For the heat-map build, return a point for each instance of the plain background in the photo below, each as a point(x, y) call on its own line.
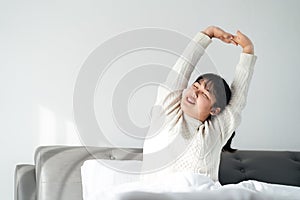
point(44, 43)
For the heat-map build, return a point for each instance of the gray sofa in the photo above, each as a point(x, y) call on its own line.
point(56, 173)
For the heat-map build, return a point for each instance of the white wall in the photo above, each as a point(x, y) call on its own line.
point(44, 44)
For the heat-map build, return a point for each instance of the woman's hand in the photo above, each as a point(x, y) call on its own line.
point(216, 32)
point(244, 42)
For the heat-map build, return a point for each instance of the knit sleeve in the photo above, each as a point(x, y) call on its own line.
point(170, 91)
point(229, 119)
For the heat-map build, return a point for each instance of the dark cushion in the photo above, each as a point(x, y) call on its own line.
point(281, 167)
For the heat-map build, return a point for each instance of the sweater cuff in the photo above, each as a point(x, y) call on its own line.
point(247, 60)
point(202, 39)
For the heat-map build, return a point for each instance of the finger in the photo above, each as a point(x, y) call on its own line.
point(224, 39)
point(236, 38)
point(228, 36)
point(228, 41)
point(240, 34)
point(234, 42)
point(242, 38)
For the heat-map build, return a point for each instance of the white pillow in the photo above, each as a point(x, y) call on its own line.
point(101, 174)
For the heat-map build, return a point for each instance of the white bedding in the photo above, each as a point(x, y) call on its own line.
point(102, 182)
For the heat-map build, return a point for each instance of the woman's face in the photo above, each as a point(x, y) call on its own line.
point(198, 100)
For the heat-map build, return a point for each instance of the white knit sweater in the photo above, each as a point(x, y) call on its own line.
point(177, 142)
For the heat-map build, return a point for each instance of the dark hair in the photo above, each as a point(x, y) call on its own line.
point(222, 92)
point(219, 88)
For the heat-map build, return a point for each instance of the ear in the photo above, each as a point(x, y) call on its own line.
point(215, 111)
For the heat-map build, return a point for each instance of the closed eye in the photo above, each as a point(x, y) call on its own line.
point(205, 96)
point(195, 85)
point(205, 87)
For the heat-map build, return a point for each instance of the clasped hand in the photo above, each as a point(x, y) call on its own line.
point(238, 39)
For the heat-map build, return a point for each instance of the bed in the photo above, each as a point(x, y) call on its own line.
point(56, 173)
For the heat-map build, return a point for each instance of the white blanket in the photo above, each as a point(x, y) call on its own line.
point(176, 186)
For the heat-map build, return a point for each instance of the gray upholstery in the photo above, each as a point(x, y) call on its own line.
point(25, 186)
point(58, 168)
point(56, 174)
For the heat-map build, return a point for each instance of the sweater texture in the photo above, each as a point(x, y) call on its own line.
point(177, 142)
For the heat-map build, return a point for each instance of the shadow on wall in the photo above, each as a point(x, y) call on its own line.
point(53, 130)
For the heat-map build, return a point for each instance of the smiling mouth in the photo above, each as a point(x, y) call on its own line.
point(191, 100)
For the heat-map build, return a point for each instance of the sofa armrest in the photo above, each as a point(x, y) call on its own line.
point(25, 184)
point(58, 174)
